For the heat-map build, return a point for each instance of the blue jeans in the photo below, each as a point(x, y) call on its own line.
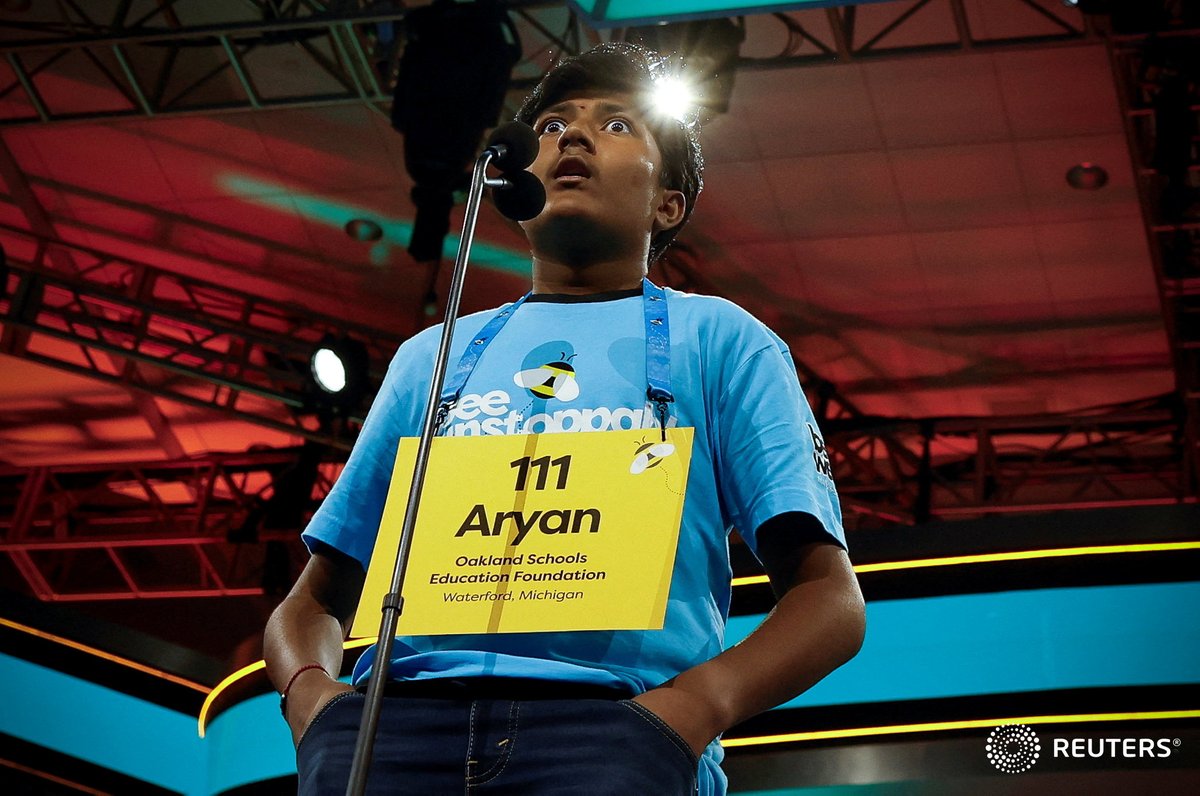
point(529, 747)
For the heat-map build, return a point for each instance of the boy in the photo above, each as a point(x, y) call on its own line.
point(589, 711)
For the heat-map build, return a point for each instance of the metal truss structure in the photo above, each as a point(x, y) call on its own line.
point(1158, 85)
point(207, 527)
point(198, 343)
point(196, 56)
point(200, 527)
point(189, 528)
point(193, 527)
point(842, 35)
point(893, 471)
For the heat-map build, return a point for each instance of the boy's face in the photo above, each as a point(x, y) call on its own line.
point(601, 167)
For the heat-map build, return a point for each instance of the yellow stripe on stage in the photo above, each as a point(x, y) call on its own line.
point(108, 656)
point(936, 726)
point(1016, 555)
point(981, 558)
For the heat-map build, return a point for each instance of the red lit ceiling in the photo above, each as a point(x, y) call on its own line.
point(905, 223)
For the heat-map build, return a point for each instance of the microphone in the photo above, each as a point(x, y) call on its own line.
point(520, 195)
point(513, 145)
point(517, 194)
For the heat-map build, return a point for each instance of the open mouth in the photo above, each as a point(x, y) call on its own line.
point(571, 170)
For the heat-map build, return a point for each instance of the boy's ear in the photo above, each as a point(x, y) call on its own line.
point(671, 208)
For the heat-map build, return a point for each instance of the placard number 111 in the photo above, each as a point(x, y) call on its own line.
point(541, 467)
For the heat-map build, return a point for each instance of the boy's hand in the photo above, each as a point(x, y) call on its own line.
point(311, 691)
point(693, 719)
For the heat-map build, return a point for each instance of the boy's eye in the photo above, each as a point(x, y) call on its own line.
point(618, 126)
point(553, 126)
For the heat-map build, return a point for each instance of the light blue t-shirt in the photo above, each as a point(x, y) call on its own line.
point(757, 453)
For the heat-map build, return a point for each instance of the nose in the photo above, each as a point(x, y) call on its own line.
point(575, 134)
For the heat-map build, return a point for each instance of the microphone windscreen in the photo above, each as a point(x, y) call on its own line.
point(524, 200)
point(520, 145)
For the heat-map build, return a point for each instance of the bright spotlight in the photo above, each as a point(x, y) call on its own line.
point(674, 97)
point(328, 370)
point(708, 49)
point(339, 371)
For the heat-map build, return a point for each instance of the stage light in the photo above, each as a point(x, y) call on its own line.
point(704, 53)
point(338, 367)
point(329, 370)
point(674, 96)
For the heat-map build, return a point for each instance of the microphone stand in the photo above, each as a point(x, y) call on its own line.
point(393, 602)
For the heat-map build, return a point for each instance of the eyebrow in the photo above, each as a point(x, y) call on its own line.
point(604, 107)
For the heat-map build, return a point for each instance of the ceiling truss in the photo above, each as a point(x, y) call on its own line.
point(194, 342)
point(186, 528)
point(311, 54)
point(204, 527)
point(965, 468)
point(201, 344)
point(1156, 79)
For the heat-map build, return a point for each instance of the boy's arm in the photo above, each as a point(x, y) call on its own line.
point(817, 625)
point(309, 627)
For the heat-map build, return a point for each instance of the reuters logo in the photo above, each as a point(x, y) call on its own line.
point(1013, 748)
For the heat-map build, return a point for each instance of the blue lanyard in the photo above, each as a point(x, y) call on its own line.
point(658, 353)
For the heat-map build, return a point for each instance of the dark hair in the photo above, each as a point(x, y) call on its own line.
point(627, 68)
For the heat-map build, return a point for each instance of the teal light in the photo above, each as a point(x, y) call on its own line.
point(396, 232)
point(866, 789)
point(960, 645)
point(869, 789)
point(614, 13)
point(104, 727)
point(248, 743)
point(1035, 640)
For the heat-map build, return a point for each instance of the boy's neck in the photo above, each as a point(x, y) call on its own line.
point(576, 280)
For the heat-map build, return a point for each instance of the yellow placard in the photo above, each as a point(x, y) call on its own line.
point(534, 532)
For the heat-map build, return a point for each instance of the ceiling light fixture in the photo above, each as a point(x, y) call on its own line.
point(363, 230)
point(705, 50)
point(1087, 176)
point(674, 96)
point(339, 370)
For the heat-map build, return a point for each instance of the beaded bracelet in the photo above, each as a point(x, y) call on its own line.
point(286, 688)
